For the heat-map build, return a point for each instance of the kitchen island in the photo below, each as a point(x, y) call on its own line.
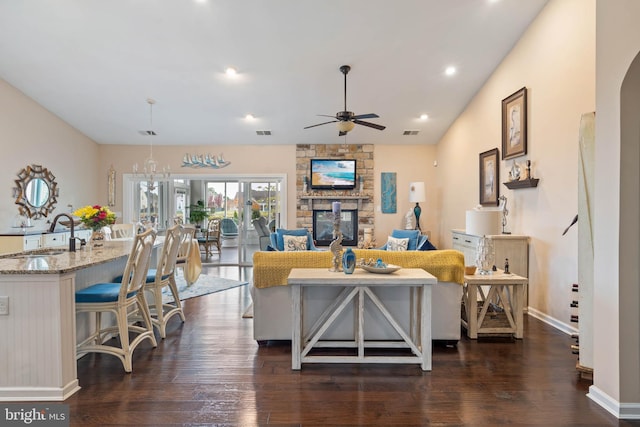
point(38, 336)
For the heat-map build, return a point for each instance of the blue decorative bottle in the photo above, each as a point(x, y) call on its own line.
point(348, 261)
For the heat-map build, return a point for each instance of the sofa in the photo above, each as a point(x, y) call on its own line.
point(272, 296)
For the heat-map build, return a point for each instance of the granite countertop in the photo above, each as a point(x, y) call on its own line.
point(31, 231)
point(33, 262)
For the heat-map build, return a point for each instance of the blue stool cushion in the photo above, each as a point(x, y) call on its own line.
point(151, 276)
point(100, 292)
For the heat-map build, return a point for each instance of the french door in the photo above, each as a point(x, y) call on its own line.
point(259, 198)
point(240, 198)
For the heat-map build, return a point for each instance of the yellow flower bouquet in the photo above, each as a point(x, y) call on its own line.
point(95, 217)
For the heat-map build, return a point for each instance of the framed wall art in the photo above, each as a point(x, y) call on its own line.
point(388, 192)
point(111, 186)
point(514, 125)
point(489, 178)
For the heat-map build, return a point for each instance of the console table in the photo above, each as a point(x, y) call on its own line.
point(357, 287)
point(500, 310)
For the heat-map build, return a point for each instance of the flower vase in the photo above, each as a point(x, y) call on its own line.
point(348, 261)
point(97, 239)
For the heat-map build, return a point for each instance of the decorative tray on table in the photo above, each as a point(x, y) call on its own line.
point(384, 269)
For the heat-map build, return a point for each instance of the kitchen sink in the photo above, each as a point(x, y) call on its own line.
point(37, 253)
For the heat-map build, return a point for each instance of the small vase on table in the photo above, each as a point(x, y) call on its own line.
point(348, 261)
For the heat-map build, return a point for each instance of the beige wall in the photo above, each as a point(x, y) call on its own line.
point(29, 134)
point(411, 163)
point(616, 301)
point(555, 60)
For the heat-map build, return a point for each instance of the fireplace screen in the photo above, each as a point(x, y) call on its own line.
point(323, 227)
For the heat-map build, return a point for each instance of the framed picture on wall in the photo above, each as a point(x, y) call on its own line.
point(388, 192)
point(489, 178)
point(514, 125)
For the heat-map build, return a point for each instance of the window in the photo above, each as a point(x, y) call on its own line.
point(223, 199)
point(150, 203)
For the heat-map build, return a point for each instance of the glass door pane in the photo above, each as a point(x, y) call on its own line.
point(261, 199)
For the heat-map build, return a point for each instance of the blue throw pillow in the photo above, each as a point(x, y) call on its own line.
point(280, 232)
point(425, 245)
point(411, 234)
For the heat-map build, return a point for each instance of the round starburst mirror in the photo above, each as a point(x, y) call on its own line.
point(36, 192)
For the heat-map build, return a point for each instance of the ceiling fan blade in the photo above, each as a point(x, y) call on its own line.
point(326, 115)
point(371, 125)
point(366, 116)
point(320, 124)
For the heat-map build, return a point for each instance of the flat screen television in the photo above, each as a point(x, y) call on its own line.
point(330, 174)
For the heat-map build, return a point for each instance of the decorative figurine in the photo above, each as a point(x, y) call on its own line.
point(506, 266)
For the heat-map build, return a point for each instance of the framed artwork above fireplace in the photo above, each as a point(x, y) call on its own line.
point(323, 227)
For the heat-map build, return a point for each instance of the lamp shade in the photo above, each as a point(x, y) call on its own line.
point(417, 192)
point(480, 222)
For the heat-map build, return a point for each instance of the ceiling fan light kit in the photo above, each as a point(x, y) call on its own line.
point(347, 120)
point(345, 126)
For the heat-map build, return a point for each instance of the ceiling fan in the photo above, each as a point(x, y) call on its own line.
point(346, 119)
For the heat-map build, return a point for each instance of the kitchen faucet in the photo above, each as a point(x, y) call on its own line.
point(72, 239)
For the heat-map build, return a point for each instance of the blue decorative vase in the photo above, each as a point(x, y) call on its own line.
point(348, 261)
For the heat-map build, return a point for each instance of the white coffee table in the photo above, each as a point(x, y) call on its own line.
point(357, 287)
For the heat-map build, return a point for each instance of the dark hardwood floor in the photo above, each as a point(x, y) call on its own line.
point(209, 371)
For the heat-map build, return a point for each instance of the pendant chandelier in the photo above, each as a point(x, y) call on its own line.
point(150, 171)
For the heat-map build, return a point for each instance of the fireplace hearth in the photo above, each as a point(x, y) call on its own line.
point(323, 227)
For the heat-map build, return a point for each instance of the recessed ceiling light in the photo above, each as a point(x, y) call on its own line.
point(231, 72)
point(249, 117)
point(424, 116)
point(450, 71)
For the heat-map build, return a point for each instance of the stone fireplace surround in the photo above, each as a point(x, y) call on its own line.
point(362, 201)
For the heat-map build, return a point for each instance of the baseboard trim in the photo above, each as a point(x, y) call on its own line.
point(625, 411)
point(561, 326)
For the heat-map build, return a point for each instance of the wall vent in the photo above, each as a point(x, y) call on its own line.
point(263, 132)
point(147, 132)
point(410, 132)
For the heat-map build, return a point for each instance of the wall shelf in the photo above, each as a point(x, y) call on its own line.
point(525, 183)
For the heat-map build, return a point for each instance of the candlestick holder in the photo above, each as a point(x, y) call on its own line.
point(336, 245)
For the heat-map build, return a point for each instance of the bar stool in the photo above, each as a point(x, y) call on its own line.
point(164, 275)
point(117, 298)
point(187, 236)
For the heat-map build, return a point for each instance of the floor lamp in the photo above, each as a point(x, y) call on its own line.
point(417, 195)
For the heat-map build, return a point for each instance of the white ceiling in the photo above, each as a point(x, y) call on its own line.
point(94, 63)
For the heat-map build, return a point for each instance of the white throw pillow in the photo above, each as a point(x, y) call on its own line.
point(396, 244)
point(294, 243)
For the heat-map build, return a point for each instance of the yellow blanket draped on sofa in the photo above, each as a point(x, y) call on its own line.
point(273, 268)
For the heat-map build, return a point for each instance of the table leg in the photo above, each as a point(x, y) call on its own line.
point(296, 326)
point(472, 318)
point(518, 295)
point(425, 327)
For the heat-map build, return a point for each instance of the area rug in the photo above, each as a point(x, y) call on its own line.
point(203, 286)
